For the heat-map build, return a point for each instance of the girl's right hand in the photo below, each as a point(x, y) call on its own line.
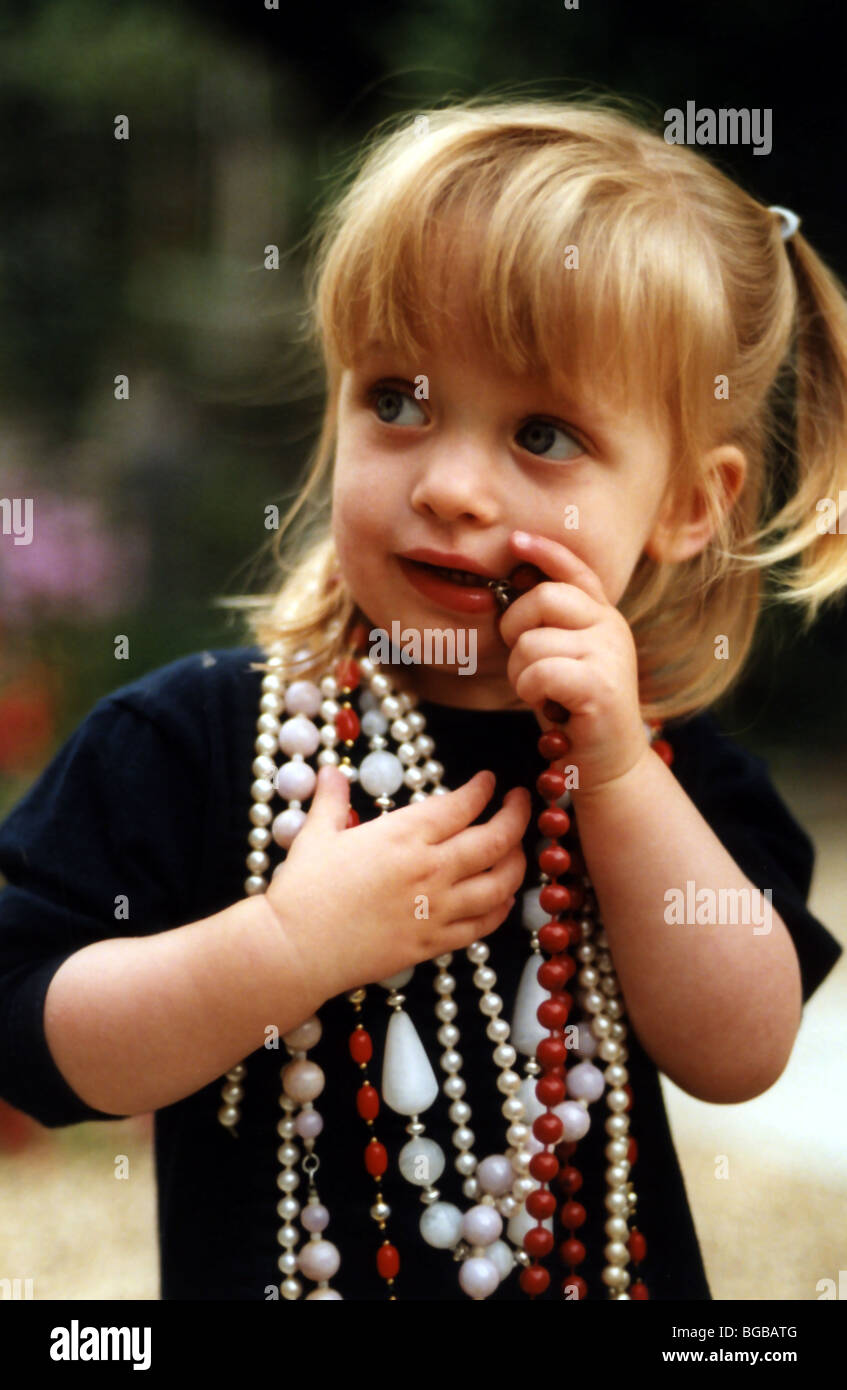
point(358, 905)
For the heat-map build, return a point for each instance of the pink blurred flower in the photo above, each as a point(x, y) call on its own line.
point(77, 563)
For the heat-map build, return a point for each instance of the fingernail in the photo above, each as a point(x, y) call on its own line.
point(520, 537)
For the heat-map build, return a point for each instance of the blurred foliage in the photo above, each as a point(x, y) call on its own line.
point(145, 257)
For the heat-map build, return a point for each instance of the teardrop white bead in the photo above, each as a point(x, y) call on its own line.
point(527, 1032)
point(409, 1085)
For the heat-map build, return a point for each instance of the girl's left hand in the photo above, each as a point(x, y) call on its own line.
point(570, 644)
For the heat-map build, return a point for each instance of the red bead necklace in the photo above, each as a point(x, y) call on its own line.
point(553, 1163)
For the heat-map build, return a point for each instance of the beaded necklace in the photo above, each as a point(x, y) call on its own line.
point(509, 1222)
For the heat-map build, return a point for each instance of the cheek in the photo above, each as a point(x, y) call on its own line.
point(356, 529)
point(357, 521)
point(604, 545)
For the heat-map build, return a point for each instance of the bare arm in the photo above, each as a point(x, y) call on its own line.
point(717, 1007)
point(137, 1023)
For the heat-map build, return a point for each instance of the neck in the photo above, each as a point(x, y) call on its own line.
point(441, 688)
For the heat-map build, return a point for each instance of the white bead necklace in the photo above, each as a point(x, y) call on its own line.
point(498, 1185)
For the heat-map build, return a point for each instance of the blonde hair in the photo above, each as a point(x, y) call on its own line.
point(686, 276)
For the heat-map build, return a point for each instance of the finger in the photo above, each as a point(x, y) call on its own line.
point(472, 897)
point(480, 847)
point(538, 643)
point(567, 680)
point(559, 605)
point(444, 816)
point(558, 562)
point(330, 802)
point(458, 935)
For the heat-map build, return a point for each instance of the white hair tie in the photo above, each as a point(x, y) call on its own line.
point(789, 221)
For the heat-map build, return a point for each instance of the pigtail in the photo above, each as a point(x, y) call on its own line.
point(809, 521)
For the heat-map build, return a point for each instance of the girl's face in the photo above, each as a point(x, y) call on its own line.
point(479, 455)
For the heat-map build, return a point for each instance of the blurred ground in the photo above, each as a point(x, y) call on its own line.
point(778, 1223)
point(70, 1225)
point(770, 1230)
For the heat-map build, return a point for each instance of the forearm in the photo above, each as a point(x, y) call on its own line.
point(717, 1007)
point(137, 1023)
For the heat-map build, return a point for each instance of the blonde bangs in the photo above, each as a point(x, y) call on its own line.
point(546, 259)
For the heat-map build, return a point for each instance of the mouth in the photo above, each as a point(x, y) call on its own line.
point(468, 579)
point(469, 591)
point(455, 589)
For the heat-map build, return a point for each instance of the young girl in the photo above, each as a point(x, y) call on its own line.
point(558, 350)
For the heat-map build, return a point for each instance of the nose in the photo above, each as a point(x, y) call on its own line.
point(457, 484)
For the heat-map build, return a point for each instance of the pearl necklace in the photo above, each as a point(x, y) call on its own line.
point(506, 1187)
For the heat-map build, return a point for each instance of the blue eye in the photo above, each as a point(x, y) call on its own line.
point(538, 435)
point(385, 398)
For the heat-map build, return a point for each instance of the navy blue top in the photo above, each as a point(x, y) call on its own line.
point(150, 798)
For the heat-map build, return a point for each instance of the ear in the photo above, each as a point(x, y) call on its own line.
point(676, 537)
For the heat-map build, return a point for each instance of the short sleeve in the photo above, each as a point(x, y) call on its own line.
point(733, 791)
point(104, 844)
